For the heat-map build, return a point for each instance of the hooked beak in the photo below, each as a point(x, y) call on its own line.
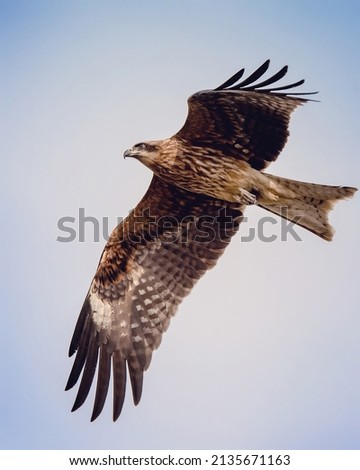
point(128, 153)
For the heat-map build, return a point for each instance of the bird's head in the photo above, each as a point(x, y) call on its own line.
point(146, 152)
point(154, 153)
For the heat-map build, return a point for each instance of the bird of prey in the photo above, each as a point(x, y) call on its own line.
point(204, 177)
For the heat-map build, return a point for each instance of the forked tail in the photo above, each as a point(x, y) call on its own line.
point(305, 204)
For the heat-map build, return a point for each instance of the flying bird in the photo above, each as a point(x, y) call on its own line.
point(203, 178)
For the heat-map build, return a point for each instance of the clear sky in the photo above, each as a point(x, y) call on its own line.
point(265, 351)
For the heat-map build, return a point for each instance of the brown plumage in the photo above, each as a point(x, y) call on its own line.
point(204, 176)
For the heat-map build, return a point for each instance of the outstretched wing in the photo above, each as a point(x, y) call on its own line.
point(150, 263)
point(245, 120)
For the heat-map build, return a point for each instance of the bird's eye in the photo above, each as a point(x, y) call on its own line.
point(140, 146)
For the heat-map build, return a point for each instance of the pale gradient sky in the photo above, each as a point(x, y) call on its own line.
point(265, 353)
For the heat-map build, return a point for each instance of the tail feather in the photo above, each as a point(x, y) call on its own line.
point(305, 204)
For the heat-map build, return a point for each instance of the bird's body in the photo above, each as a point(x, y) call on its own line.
point(204, 177)
point(208, 172)
point(203, 173)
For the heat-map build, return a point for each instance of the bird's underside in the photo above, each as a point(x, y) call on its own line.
point(204, 176)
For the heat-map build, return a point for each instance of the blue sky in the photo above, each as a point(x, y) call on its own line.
point(265, 351)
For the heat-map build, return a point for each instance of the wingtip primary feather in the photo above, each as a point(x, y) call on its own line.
point(259, 72)
point(249, 83)
point(136, 379)
point(79, 327)
point(233, 79)
point(88, 374)
point(119, 375)
point(103, 379)
point(274, 78)
point(81, 355)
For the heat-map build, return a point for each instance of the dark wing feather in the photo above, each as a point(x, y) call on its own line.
point(232, 80)
point(242, 120)
point(287, 87)
point(104, 372)
point(88, 373)
point(80, 343)
point(150, 263)
point(119, 379)
point(253, 77)
point(280, 74)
